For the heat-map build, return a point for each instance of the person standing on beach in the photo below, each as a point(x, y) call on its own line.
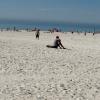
point(57, 43)
point(37, 34)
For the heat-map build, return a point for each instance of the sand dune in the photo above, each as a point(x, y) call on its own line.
point(30, 71)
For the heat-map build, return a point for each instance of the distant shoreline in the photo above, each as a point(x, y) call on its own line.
point(64, 27)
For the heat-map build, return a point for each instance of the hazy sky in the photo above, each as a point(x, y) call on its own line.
point(51, 10)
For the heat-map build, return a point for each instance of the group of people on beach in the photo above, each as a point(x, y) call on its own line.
point(57, 42)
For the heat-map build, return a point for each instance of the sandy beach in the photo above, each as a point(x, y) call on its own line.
point(31, 71)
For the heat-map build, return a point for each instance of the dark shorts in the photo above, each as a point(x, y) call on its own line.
point(49, 46)
point(37, 36)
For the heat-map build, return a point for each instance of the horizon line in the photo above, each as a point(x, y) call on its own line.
point(46, 21)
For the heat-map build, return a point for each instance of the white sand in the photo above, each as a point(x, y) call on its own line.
point(30, 71)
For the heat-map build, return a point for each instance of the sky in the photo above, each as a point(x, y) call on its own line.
point(87, 11)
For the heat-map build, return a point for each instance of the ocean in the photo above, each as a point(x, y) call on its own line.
point(64, 27)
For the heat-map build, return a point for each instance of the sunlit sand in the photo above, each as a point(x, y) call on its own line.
point(30, 71)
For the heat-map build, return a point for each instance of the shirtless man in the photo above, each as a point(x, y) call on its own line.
point(37, 34)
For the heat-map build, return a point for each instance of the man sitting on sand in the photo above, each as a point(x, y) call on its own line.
point(57, 43)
